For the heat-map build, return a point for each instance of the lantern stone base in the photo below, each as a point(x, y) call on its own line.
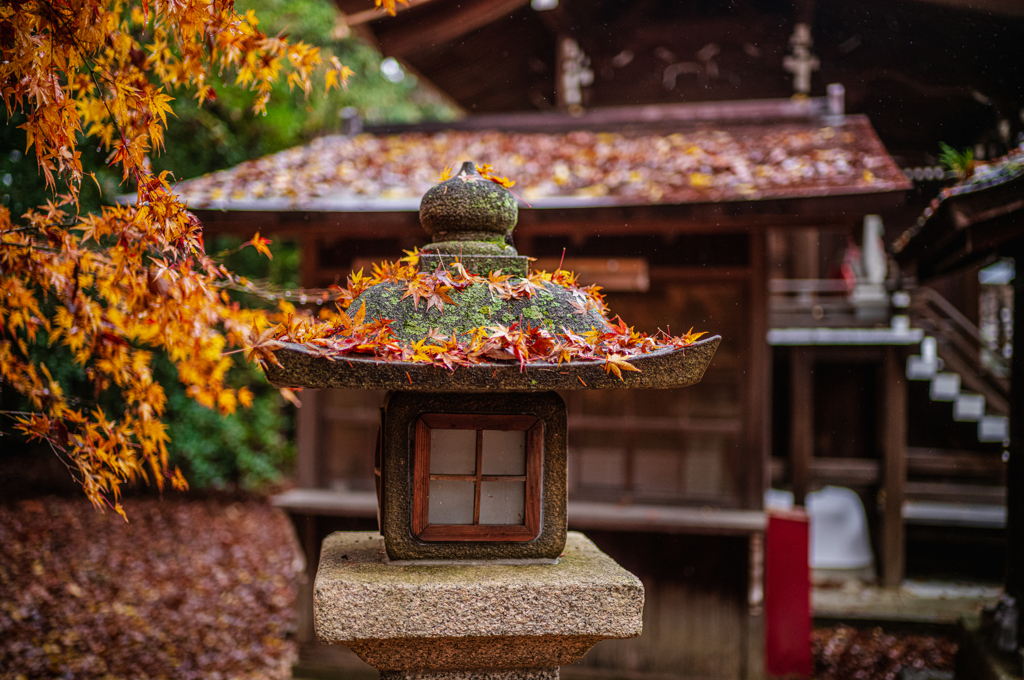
point(409, 621)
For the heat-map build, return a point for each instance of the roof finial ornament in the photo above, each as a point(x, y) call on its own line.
point(471, 217)
point(801, 63)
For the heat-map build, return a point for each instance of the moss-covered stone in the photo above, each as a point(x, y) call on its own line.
point(480, 264)
point(550, 309)
point(467, 206)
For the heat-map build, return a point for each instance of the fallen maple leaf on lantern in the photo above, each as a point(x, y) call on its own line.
point(488, 173)
point(616, 363)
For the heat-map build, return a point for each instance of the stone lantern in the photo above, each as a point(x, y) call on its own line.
point(473, 569)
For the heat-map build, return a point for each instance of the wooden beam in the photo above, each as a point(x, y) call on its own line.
point(446, 23)
point(1005, 7)
point(306, 525)
point(801, 421)
point(375, 13)
point(894, 452)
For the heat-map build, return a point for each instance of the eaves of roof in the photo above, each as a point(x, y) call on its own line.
point(950, 223)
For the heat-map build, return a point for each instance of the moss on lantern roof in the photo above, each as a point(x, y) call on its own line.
point(475, 306)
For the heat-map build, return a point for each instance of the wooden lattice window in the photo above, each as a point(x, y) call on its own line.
point(477, 477)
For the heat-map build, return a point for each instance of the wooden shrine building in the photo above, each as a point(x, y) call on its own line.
point(655, 146)
point(673, 215)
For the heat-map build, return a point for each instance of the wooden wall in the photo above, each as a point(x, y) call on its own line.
point(699, 445)
point(697, 621)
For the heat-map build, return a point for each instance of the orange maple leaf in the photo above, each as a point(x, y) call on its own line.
point(446, 174)
point(617, 363)
point(389, 5)
point(488, 173)
point(260, 244)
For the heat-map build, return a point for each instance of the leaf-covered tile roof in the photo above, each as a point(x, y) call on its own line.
point(985, 176)
point(702, 163)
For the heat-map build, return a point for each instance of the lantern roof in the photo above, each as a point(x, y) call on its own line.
point(449, 319)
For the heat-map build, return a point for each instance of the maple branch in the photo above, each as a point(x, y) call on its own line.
point(31, 246)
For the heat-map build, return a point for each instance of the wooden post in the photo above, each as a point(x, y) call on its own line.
point(308, 458)
point(306, 524)
point(757, 423)
point(894, 426)
point(1015, 467)
point(801, 421)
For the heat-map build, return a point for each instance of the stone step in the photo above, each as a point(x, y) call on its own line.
point(994, 429)
point(945, 387)
point(918, 368)
point(969, 407)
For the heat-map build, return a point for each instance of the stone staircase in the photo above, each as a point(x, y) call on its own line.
point(948, 386)
point(951, 361)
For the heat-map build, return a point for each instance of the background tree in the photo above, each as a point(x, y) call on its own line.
point(91, 297)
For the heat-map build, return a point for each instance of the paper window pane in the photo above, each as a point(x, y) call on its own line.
point(451, 502)
point(452, 452)
point(502, 503)
point(504, 452)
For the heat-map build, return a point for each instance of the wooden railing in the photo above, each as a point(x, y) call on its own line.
point(811, 302)
point(960, 346)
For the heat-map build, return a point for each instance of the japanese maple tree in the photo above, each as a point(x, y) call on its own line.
point(115, 286)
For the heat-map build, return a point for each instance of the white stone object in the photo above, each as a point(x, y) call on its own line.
point(870, 288)
point(801, 63)
point(873, 250)
point(778, 499)
point(839, 530)
point(576, 73)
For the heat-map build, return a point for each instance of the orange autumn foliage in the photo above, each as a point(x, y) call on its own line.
point(115, 286)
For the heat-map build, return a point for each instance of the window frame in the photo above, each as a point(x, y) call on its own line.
point(530, 529)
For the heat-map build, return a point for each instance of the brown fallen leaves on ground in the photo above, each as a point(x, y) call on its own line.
point(845, 653)
point(188, 589)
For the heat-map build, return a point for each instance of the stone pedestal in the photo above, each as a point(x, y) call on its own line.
point(458, 621)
